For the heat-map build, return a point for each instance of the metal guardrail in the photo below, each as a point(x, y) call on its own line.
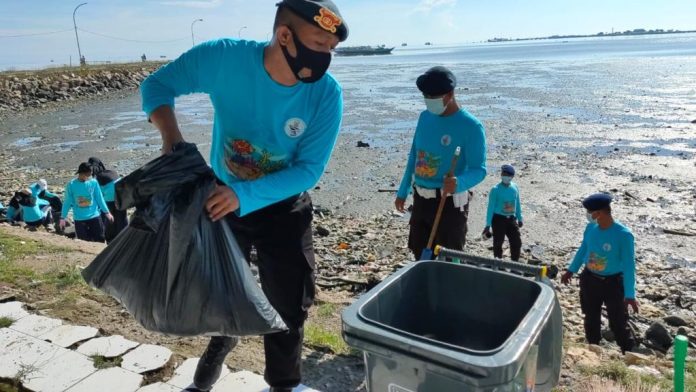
point(538, 272)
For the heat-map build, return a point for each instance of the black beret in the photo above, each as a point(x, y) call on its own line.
point(508, 169)
point(596, 202)
point(321, 13)
point(436, 81)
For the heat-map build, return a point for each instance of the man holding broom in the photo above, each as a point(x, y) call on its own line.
point(435, 172)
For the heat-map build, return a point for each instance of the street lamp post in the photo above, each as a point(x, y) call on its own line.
point(193, 41)
point(240, 32)
point(79, 51)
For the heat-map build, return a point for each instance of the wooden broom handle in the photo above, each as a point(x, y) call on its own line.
point(443, 199)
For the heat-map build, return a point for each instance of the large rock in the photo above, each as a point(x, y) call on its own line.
point(632, 358)
point(676, 321)
point(582, 357)
point(659, 335)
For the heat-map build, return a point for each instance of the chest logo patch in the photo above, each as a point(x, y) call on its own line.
point(606, 247)
point(295, 127)
point(446, 140)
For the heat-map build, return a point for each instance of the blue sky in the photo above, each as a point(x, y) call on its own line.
point(371, 21)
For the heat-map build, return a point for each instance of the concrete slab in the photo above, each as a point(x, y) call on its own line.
point(159, 387)
point(183, 375)
point(35, 325)
point(146, 358)
point(67, 335)
point(13, 310)
point(113, 379)
point(59, 374)
point(246, 381)
point(22, 354)
point(108, 347)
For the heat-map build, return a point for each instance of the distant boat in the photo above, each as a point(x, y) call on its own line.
point(404, 44)
point(428, 44)
point(363, 50)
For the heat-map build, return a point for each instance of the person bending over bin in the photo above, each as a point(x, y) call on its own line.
point(505, 215)
point(83, 196)
point(441, 128)
point(33, 211)
point(40, 191)
point(107, 180)
point(277, 117)
point(609, 276)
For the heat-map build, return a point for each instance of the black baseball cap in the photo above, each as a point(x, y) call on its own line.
point(321, 13)
point(84, 168)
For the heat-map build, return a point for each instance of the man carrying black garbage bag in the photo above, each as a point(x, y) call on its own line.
point(277, 116)
point(609, 276)
point(442, 128)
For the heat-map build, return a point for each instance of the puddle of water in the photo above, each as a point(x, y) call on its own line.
point(25, 141)
point(133, 146)
point(135, 138)
point(69, 127)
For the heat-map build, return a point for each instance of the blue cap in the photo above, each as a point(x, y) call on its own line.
point(598, 201)
point(508, 169)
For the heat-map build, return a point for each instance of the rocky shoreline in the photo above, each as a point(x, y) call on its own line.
point(19, 90)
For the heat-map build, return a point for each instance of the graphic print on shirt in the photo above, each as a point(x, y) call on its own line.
point(84, 201)
point(509, 207)
point(295, 127)
point(427, 164)
point(248, 162)
point(597, 263)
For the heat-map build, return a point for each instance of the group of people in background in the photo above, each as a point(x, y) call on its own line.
point(90, 196)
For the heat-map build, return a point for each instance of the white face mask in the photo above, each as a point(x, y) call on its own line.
point(435, 106)
point(506, 180)
point(590, 219)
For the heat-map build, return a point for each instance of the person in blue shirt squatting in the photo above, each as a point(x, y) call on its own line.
point(33, 211)
point(609, 276)
point(277, 117)
point(442, 128)
point(107, 180)
point(83, 196)
point(505, 215)
point(40, 190)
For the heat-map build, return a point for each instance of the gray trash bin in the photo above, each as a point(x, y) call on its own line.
point(439, 327)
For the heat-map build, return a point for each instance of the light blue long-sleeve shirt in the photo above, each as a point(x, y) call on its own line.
point(85, 199)
point(608, 252)
point(270, 141)
point(109, 190)
point(30, 214)
point(504, 200)
point(434, 144)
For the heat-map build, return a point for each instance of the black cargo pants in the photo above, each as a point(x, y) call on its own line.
point(595, 291)
point(451, 233)
point(506, 226)
point(282, 236)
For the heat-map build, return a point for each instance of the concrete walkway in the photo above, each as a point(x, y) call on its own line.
point(43, 354)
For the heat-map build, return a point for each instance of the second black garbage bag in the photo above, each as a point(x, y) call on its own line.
point(175, 270)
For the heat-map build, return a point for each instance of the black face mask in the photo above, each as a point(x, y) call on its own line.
point(317, 62)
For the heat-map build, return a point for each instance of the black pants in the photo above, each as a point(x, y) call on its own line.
point(594, 292)
point(90, 230)
point(45, 221)
point(506, 226)
point(451, 232)
point(112, 229)
point(282, 237)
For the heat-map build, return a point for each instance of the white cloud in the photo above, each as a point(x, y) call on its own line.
point(193, 3)
point(428, 5)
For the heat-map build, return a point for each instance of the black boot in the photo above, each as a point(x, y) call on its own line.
point(211, 362)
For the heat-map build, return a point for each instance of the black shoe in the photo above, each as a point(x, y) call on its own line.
point(210, 365)
point(194, 389)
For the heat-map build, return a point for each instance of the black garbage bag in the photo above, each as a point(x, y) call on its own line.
point(175, 270)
